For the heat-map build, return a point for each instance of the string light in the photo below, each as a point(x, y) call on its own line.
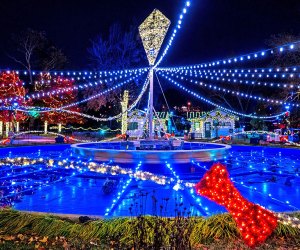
point(219, 106)
point(175, 31)
point(246, 57)
point(121, 193)
point(232, 78)
point(180, 185)
point(237, 93)
point(41, 94)
point(74, 73)
point(45, 109)
point(132, 106)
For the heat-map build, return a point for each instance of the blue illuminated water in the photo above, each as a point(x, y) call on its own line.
point(264, 175)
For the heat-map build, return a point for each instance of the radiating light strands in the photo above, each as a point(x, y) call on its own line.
point(214, 87)
point(175, 31)
point(219, 106)
point(289, 47)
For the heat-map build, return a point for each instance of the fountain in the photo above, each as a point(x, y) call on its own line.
point(150, 150)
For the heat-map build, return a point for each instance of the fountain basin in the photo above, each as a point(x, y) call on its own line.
point(151, 152)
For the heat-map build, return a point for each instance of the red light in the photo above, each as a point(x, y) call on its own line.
point(254, 222)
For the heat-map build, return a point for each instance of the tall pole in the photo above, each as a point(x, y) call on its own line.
point(153, 31)
point(151, 105)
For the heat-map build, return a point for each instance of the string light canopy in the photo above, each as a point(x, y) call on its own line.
point(153, 31)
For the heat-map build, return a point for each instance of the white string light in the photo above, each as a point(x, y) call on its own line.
point(74, 73)
point(219, 106)
point(227, 79)
point(237, 93)
point(244, 58)
point(175, 30)
point(145, 85)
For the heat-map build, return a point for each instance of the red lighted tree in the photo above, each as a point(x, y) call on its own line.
point(61, 93)
point(12, 95)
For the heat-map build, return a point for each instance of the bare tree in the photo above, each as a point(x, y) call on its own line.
point(119, 50)
point(33, 50)
point(51, 58)
point(27, 43)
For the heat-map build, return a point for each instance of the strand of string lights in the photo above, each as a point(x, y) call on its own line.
point(219, 106)
point(175, 31)
point(245, 57)
point(41, 94)
point(243, 70)
point(74, 73)
point(226, 78)
point(82, 86)
point(235, 92)
point(98, 119)
point(47, 109)
point(241, 74)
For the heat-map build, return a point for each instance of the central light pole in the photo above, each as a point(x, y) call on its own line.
point(151, 104)
point(153, 31)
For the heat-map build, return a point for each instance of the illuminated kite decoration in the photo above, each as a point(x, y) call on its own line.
point(153, 31)
point(255, 223)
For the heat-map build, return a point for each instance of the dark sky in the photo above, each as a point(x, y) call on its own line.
point(212, 28)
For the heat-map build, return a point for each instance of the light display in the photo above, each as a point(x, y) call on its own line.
point(219, 106)
point(235, 78)
point(175, 31)
point(246, 57)
point(124, 105)
point(214, 87)
point(81, 74)
point(254, 222)
point(62, 110)
point(12, 95)
point(57, 100)
point(153, 31)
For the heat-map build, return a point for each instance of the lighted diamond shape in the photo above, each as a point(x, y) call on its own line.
point(153, 31)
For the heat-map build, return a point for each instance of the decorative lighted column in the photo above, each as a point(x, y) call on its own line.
point(17, 127)
point(45, 127)
point(153, 31)
point(59, 128)
point(124, 105)
point(6, 129)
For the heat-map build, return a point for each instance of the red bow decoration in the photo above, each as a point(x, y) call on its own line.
point(254, 222)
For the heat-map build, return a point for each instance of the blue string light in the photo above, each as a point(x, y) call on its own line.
point(72, 73)
point(191, 190)
point(226, 79)
point(122, 192)
point(233, 92)
point(175, 31)
point(42, 94)
point(246, 57)
point(219, 106)
point(47, 109)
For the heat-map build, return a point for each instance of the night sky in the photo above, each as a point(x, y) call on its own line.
point(212, 28)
